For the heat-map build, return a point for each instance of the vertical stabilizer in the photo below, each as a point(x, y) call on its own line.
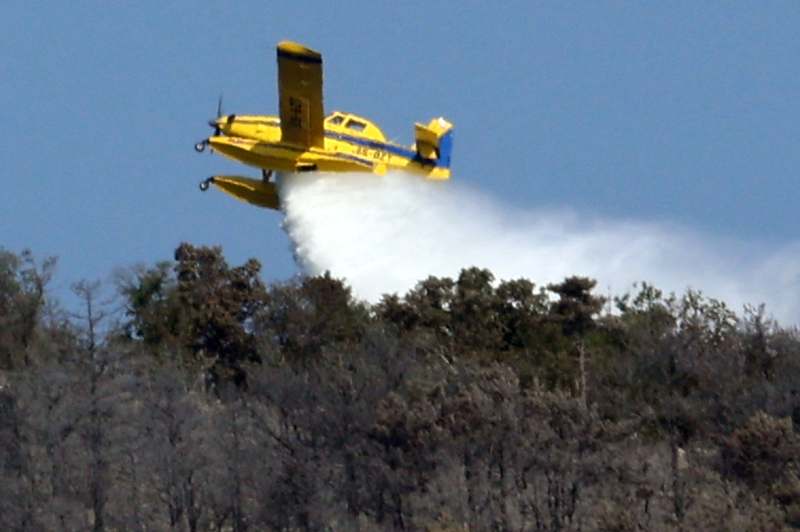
point(435, 141)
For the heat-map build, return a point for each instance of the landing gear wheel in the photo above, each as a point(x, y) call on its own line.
point(205, 183)
point(200, 146)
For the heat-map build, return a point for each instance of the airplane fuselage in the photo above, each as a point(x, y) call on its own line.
point(351, 144)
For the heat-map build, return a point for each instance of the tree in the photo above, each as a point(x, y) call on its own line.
point(219, 304)
point(93, 426)
point(575, 312)
point(308, 316)
point(151, 304)
point(475, 313)
point(576, 306)
point(23, 299)
point(522, 312)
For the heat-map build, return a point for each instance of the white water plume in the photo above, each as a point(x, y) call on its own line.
point(383, 235)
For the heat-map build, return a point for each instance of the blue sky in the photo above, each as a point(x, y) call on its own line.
point(679, 112)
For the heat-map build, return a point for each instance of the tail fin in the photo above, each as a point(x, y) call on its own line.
point(435, 141)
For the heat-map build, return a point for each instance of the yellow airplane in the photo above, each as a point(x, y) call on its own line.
point(302, 139)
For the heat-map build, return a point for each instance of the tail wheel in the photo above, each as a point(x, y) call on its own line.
point(205, 183)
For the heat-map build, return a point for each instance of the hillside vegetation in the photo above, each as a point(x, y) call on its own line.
point(199, 397)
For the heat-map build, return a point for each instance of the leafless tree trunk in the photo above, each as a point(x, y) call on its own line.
point(95, 432)
point(582, 361)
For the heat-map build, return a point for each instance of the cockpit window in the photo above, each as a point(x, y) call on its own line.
point(336, 120)
point(356, 125)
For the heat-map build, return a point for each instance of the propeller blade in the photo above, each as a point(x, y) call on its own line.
point(215, 122)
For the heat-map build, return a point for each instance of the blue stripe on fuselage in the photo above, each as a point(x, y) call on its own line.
point(391, 148)
point(298, 149)
point(344, 156)
point(348, 157)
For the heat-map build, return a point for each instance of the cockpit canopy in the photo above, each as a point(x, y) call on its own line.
point(353, 125)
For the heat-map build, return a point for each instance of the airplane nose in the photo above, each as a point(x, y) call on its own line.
point(221, 122)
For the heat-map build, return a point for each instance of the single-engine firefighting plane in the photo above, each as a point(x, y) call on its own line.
point(302, 139)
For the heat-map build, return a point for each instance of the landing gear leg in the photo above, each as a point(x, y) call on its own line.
point(266, 174)
point(205, 183)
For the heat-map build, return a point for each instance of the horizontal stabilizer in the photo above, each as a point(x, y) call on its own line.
point(256, 191)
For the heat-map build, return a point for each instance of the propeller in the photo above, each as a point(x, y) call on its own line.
point(215, 122)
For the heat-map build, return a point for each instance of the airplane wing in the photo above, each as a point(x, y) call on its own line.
point(300, 93)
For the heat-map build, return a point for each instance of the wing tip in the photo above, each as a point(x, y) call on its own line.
point(298, 51)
